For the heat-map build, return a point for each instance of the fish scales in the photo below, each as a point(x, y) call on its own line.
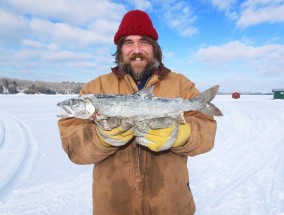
point(139, 106)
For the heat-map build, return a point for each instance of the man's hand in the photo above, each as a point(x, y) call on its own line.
point(115, 131)
point(161, 133)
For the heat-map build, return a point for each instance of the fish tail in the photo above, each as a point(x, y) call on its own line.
point(206, 97)
point(212, 110)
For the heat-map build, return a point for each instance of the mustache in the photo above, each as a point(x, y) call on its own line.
point(138, 55)
point(148, 70)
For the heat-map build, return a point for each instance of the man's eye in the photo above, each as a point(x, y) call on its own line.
point(144, 42)
point(128, 43)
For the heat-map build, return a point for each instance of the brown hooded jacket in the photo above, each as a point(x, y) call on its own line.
point(133, 180)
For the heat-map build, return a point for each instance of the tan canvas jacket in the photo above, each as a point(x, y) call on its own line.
point(132, 180)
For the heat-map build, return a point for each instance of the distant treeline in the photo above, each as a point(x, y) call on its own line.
point(14, 86)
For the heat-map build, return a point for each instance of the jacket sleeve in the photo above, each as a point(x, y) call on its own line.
point(202, 137)
point(79, 137)
point(80, 141)
point(203, 128)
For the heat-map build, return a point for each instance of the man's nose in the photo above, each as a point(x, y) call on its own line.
point(136, 47)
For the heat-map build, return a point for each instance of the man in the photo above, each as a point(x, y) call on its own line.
point(139, 169)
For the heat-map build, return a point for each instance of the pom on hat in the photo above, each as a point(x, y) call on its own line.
point(136, 22)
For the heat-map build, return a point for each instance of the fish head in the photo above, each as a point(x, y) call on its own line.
point(79, 107)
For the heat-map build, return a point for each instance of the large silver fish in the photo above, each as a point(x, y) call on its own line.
point(140, 106)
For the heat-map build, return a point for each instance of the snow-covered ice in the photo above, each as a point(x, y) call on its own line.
point(242, 175)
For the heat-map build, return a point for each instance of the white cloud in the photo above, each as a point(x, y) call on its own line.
point(227, 7)
point(38, 45)
point(63, 23)
point(65, 56)
point(261, 11)
point(252, 12)
point(72, 11)
point(178, 15)
point(266, 59)
point(142, 5)
point(70, 22)
point(223, 5)
point(58, 35)
point(67, 35)
point(12, 27)
point(104, 27)
point(43, 59)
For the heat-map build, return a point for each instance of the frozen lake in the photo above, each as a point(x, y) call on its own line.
point(243, 174)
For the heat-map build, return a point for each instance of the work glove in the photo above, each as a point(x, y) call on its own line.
point(114, 131)
point(161, 133)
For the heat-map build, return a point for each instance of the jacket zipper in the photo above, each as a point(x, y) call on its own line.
point(139, 146)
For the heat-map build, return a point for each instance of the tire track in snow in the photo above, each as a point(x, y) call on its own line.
point(278, 189)
point(269, 144)
point(236, 167)
point(2, 134)
point(17, 153)
point(250, 169)
point(50, 198)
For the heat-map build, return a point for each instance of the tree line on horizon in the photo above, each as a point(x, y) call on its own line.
point(14, 86)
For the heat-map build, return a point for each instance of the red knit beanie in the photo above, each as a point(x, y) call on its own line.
point(135, 22)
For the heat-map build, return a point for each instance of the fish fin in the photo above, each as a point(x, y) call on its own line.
point(107, 123)
point(206, 97)
point(101, 126)
point(177, 117)
point(160, 122)
point(216, 111)
point(146, 93)
point(64, 115)
point(182, 119)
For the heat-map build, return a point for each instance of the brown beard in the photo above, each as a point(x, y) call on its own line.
point(151, 65)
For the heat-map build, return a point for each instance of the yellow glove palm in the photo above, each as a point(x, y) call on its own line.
point(117, 136)
point(163, 138)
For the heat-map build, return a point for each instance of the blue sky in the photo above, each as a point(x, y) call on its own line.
point(236, 44)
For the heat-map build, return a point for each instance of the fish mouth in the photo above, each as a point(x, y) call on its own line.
point(68, 112)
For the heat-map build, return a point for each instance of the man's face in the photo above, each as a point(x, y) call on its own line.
point(137, 52)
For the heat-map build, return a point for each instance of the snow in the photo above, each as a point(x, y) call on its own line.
point(242, 175)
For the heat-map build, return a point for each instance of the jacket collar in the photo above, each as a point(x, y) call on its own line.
point(161, 72)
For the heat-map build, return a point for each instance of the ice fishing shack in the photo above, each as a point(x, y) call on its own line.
point(236, 95)
point(278, 93)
